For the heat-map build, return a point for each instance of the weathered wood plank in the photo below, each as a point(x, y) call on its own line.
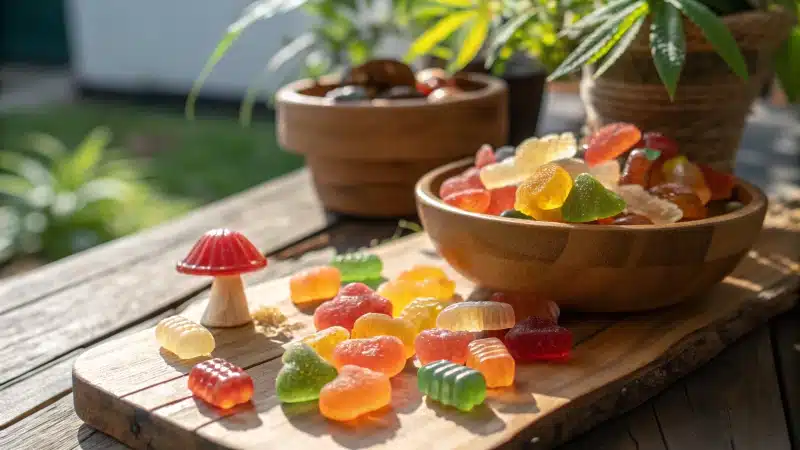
point(54, 427)
point(38, 332)
point(786, 342)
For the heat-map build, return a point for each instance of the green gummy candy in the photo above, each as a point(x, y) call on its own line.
point(651, 154)
point(514, 214)
point(303, 374)
point(452, 384)
point(358, 266)
point(589, 200)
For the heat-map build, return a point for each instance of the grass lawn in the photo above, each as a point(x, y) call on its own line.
point(198, 161)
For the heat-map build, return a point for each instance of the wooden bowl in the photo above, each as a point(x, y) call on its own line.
point(366, 156)
point(593, 268)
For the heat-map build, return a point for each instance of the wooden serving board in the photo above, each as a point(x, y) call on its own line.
point(134, 391)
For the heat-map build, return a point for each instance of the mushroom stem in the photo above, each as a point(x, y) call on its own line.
point(227, 305)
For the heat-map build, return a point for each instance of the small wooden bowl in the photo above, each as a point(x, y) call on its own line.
point(593, 268)
point(366, 156)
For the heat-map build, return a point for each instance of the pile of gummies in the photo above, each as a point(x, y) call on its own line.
point(364, 337)
point(389, 79)
point(541, 179)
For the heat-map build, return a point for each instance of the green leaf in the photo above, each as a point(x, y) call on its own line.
point(619, 49)
point(472, 42)
point(505, 33)
point(716, 32)
point(81, 165)
point(787, 65)
point(216, 56)
point(29, 169)
point(598, 16)
point(46, 146)
point(438, 33)
point(14, 186)
point(431, 11)
point(456, 3)
point(619, 31)
point(594, 46)
point(667, 44)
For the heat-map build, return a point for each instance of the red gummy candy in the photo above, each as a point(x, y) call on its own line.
point(485, 156)
point(473, 200)
point(720, 183)
point(436, 344)
point(352, 302)
point(611, 141)
point(470, 179)
point(501, 199)
point(657, 141)
point(220, 383)
point(473, 178)
point(537, 339)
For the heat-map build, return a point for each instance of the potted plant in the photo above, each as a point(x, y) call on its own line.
point(688, 68)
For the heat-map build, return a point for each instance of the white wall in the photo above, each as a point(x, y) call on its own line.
point(162, 45)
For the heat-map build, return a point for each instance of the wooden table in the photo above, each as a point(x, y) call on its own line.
point(746, 398)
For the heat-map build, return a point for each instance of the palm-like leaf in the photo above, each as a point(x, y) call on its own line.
point(668, 44)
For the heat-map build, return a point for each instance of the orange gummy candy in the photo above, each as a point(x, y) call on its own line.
point(354, 392)
point(473, 200)
point(611, 141)
point(220, 383)
point(491, 358)
point(385, 354)
point(317, 283)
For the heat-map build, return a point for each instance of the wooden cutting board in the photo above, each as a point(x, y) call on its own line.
point(135, 392)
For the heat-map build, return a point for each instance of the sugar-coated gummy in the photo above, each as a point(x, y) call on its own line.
point(358, 266)
point(353, 301)
point(491, 358)
point(437, 344)
point(534, 339)
point(220, 383)
point(610, 142)
point(476, 316)
point(303, 374)
point(484, 156)
point(546, 189)
point(374, 324)
point(472, 200)
point(385, 354)
point(422, 312)
point(423, 281)
point(184, 338)
point(452, 384)
point(355, 391)
point(637, 168)
point(316, 283)
point(589, 200)
point(607, 173)
point(323, 342)
point(639, 201)
point(530, 154)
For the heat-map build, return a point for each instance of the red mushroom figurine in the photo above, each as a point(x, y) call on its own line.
point(224, 255)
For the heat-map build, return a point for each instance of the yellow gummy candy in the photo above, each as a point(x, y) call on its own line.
point(546, 189)
point(323, 342)
point(419, 281)
point(184, 338)
point(422, 312)
point(376, 324)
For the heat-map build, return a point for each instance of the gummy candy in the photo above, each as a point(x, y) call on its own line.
point(485, 156)
point(534, 339)
point(637, 167)
point(184, 338)
point(610, 141)
point(452, 384)
point(501, 199)
point(354, 392)
point(472, 200)
point(470, 179)
point(530, 154)
point(430, 79)
point(514, 214)
point(491, 358)
point(220, 383)
point(476, 316)
point(422, 312)
point(435, 344)
point(385, 354)
point(607, 173)
point(317, 283)
point(505, 152)
point(526, 304)
point(422, 272)
point(546, 189)
point(358, 266)
point(641, 202)
point(657, 141)
point(420, 281)
point(683, 197)
point(720, 183)
point(680, 170)
point(632, 219)
point(303, 374)
point(573, 166)
point(373, 324)
point(323, 342)
point(589, 200)
point(353, 301)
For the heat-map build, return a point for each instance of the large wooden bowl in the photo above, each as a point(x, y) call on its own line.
point(593, 268)
point(366, 156)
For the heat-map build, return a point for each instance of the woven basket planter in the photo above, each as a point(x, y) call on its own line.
point(711, 104)
point(365, 157)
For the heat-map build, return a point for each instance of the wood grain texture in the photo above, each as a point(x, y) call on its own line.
point(786, 343)
point(139, 395)
point(587, 267)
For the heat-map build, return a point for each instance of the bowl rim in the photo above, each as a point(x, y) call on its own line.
point(290, 94)
point(424, 194)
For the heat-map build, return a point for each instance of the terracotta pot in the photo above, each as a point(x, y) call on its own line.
point(711, 104)
point(366, 156)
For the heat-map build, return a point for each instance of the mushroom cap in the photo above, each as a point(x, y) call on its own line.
point(222, 252)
